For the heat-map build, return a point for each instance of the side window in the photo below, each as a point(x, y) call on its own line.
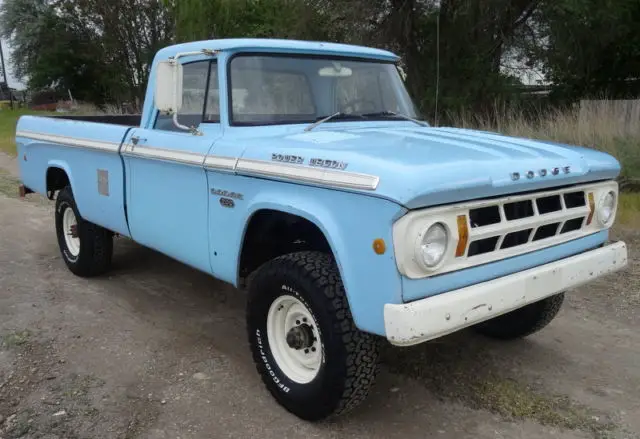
point(212, 110)
point(194, 93)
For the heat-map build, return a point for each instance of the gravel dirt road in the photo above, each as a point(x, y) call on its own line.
point(157, 350)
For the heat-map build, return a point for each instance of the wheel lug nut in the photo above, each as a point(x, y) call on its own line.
point(313, 349)
point(306, 351)
point(297, 322)
point(304, 319)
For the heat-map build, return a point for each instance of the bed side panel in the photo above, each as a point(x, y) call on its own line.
point(88, 153)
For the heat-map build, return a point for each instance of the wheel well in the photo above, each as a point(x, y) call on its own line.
point(57, 179)
point(272, 233)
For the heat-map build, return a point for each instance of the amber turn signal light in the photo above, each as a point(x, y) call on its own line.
point(592, 207)
point(379, 246)
point(463, 235)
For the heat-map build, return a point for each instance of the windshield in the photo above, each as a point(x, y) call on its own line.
point(267, 89)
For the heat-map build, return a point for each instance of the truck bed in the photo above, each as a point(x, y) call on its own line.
point(82, 149)
point(112, 119)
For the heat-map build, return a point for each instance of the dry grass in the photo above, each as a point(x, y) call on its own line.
point(598, 125)
point(8, 121)
point(595, 126)
point(629, 210)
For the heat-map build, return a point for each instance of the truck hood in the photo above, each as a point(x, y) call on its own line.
point(420, 167)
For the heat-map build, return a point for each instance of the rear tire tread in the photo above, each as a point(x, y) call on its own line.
point(96, 242)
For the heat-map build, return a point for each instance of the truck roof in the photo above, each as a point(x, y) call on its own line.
point(279, 45)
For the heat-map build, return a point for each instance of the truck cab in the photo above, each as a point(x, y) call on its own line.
point(303, 172)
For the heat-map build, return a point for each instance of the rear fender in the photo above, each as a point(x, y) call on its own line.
point(61, 164)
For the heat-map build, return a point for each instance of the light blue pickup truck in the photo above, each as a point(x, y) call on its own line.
point(302, 171)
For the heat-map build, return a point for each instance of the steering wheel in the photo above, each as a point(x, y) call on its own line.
point(350, 106)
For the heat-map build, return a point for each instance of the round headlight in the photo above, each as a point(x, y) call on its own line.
point(607, 207)
point(433, 245)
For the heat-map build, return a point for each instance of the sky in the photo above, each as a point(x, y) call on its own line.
point(13, 82)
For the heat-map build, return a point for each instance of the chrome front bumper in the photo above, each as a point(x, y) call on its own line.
point(416, 322)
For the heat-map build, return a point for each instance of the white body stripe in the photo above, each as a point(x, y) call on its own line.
point(215, 163)
point(301, 173)
point(71, 141)
point(308, 174)
point(171, 155)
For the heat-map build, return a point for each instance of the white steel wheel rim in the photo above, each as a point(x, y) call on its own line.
point(70, 228)
point(299, 365)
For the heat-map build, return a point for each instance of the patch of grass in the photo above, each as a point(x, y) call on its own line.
point(460, 370)
point(21, 425)
point(80, 385)
point(8, 184)
point(16, 339)
point(515, 400)
point(629, 210)
point(8, 121)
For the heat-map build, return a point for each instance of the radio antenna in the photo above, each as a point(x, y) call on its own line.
point(437, 63)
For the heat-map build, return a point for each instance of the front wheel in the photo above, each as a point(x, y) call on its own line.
point(306, 347)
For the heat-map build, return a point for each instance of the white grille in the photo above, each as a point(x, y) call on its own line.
point(514, 223)
point(501, 228)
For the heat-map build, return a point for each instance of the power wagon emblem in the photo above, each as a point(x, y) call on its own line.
point(286, 158)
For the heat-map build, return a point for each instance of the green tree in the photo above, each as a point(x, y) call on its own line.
point(590, 47)
point(69, 61)
point(203, 19)
point(100, 51)
point(130, 33)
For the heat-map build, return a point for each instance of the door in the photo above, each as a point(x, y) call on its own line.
point(167, 186)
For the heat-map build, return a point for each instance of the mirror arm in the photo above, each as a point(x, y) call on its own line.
point(193, 130)
point(174, 59)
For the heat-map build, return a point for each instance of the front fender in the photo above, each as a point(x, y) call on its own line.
point(350, 223)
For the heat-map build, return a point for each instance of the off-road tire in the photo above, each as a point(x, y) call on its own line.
point(96, 243)
point(523, 321)
point(350, 362)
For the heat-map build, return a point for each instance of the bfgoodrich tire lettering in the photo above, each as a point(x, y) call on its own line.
point(523, 321)
point(349, 356)
point(95, 242)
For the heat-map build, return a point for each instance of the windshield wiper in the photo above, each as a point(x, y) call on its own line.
point(338, 115)
point(391, 113)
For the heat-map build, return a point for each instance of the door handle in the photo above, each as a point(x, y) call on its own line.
point(136, 139)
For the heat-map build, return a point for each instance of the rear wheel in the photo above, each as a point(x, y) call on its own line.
point(306, 347)
point(523, 321)
point(86, 247)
